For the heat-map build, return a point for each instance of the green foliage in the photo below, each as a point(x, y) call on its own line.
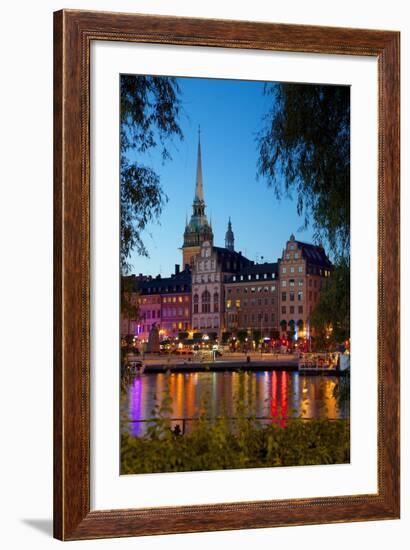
point(257, 335)
point(304, 148)
point(150, 107)
point(242, 335)
point(333, 307)
point(218, 446)
point(225, 337)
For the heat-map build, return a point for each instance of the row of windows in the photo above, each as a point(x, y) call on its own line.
point(291, 282)
point(292, 269)
point(252, 289)
point(207, 323)
point(173, 312)
point(210, 278)
point(292, 296)
point(206, 302)
point(175, 299)
point(294, 256)
point(151, 314)
point(257, 276)
point(251, 302)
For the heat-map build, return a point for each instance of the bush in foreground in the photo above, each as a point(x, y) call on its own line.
point(219, 446)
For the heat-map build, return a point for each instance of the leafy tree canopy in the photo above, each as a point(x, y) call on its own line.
point(333, 307)
point(304, 148)
point(150, 107)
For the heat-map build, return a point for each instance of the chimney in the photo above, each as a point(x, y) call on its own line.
point(176, 269)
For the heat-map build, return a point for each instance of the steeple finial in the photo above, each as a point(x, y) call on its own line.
point(199, 190)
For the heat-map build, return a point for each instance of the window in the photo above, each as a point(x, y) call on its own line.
point(292, 247)
point(265, 275)
point(283, 269)
point(273, 288)
point(206, 301)
point(315, 283)
point(296, 256)
point(310, 295)
point(241, 277)
point(300, 296)
point(249, 277)
point(292, 282)
point(300, 269)
point(284, 283)
point(284, 310)
point(234, 278)
point(283, 296)
point(228, 304)
point(292, 296)
point(216, 302)
point(245, 290)
point(253, 289)
point(292, 309)
point(287, 256)
point(310, 282)
point(238, 303)
point(196, 300)
point(300, 282)
point(257, 276)
point(292, 270)
point(300, 309)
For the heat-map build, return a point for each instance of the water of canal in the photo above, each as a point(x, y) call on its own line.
point(269, 393)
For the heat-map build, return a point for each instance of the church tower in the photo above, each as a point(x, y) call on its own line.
point(198, 229)
point(229, 237)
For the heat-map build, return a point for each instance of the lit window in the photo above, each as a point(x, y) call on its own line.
point(228, 304)
point(265, 275)
point(238, 303)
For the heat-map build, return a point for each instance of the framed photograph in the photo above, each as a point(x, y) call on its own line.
point(226, 275)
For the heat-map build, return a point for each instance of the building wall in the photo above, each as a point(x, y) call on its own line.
point(207, 282)
point(300, 285)
point(252, 305)
point(175, 313)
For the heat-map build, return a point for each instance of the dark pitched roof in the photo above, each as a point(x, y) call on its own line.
point(314, 254)
point(179, 282)
point(236, 260)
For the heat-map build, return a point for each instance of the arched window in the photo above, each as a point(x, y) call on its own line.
point(206, 302)
point(196, 301)
point(216, 302)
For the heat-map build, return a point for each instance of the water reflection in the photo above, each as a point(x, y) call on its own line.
point(278, 394)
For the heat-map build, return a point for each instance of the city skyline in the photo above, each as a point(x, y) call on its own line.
point(229, 113)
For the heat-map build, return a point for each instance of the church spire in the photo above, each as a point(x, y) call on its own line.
point(199, 190)
point(229, 237)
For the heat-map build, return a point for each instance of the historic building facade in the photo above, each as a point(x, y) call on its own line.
point(303, 269)
point(251, 300)
point(212, 266)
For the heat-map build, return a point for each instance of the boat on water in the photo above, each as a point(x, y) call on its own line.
point(331, 362)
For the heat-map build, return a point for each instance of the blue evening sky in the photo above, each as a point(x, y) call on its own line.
point(230, 113)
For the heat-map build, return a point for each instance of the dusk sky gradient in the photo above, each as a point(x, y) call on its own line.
point(230, 113)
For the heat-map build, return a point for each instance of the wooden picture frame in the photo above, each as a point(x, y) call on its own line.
point(73, 33)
